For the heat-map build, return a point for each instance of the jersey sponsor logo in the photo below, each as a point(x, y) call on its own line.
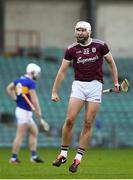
point(83, 61)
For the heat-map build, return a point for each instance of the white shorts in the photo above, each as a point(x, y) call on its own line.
point(87, 91)
point(24, 116)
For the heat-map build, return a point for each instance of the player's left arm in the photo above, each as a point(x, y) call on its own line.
point(11, 91)
point(113, 70)
point(35, 101)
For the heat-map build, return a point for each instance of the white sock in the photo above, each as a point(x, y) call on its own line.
point(78, 156)
point(64, 153)
point(34, 157)
point(80, 152)
point(13, 159)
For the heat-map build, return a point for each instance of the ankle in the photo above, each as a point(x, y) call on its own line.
point(64, 151)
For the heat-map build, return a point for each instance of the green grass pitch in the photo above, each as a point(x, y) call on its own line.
point(96, 164)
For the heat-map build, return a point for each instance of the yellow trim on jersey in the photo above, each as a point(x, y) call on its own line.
point(24, 90)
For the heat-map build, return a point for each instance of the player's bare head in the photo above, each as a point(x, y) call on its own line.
point(34, 70)
point(82, 31)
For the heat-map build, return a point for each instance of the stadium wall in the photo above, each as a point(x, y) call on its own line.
point(54, 21)
point(114, 25)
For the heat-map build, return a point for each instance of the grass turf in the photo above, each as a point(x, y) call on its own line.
point(96, 164)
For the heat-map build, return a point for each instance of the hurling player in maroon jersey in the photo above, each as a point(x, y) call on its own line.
point(87, 56)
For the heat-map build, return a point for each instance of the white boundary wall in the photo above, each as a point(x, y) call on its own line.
point(115, 26)
point(55, 21)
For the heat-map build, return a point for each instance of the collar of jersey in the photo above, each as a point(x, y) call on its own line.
point(26, 75)
point(86, 44)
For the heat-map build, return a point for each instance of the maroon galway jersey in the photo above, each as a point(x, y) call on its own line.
point(87, 60)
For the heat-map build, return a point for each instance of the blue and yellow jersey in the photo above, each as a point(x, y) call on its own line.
point(23, 85)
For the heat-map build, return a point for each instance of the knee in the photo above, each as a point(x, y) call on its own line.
point(35, 133)
point(88, 125)
point(69, 122)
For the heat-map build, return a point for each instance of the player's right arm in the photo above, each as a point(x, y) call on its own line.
point(59, 78)
point(11, 91)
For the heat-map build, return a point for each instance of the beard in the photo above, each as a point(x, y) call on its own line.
point(34, 78)
point(82, 40)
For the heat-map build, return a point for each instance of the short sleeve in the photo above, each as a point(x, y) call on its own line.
point(15, 82)
point(32, 85)
point(105, 49)
point(68, 55)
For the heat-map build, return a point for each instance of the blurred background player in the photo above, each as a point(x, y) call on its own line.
point(25, 85)
point(87, 55)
